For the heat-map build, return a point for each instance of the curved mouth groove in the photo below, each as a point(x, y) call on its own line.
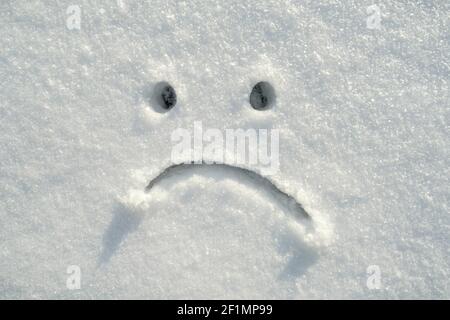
point(285, 199)
point(124, 221)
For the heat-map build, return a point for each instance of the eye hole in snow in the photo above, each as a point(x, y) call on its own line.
point(164, 97)
point(262, 96)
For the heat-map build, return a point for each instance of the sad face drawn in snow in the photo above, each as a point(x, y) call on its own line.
point(206, 218)
point(91, 136)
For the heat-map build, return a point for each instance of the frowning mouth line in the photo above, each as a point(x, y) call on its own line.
point(287, 201)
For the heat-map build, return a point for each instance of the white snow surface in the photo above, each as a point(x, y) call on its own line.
point(364, 120)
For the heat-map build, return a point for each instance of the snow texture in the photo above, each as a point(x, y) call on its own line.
point(364, 120)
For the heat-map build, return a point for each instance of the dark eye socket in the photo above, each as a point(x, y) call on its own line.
point(169, 97)
point(262, 96)
point(164, 96)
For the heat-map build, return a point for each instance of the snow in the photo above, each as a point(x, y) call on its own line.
point(364, 128)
